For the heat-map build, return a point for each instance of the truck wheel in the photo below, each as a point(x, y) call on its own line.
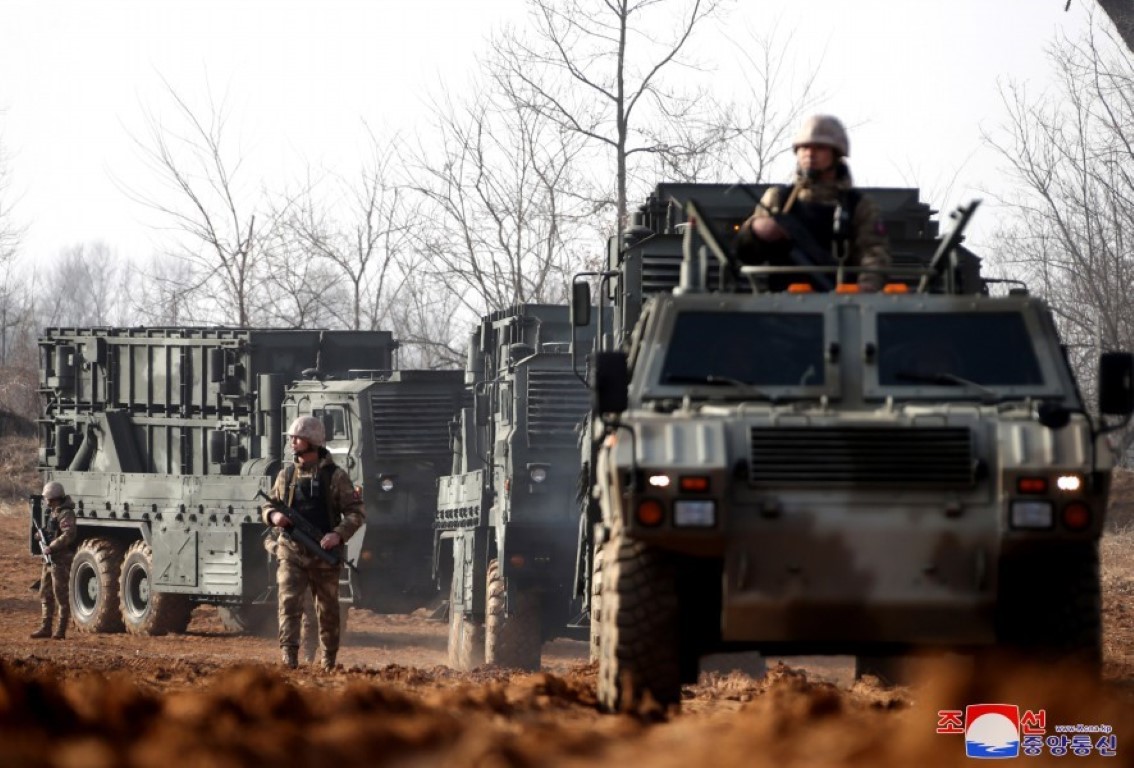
point(258, 619)
point(596, 600)
point(1049, 606)
point(638, 632)
point(144, 611)
point(511, 641)
point(94, 586)
point(466, 637)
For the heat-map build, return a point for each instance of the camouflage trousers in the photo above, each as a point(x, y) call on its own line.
point(299, 579)
point(55, 589)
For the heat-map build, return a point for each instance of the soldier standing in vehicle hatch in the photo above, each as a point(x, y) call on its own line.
point(54, 583)
point(322, 493)
point(842, 221)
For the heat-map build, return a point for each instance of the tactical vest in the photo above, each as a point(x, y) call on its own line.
point(310, 497)
point(51, 525)
point(819, 220)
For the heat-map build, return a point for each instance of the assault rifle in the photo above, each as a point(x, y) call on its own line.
point(304, 532)
point(805, 251)
point(42, 543)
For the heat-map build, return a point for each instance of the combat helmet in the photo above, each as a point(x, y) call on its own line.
point(825, 130)
point(53, 490)
point(310, 429)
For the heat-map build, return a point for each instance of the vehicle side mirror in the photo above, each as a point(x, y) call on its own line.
point(580, 304)
point(610, 382)
point(1116, 383)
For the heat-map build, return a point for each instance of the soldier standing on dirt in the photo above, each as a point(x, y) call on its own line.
point(322, 493)
point(309, 632)
point(62, 536)
point(822, 200)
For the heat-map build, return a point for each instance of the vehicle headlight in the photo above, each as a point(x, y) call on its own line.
point(538, 474)
point(386, 484)
point(1069, 483)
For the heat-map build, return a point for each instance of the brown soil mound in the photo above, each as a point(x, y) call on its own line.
point(210, 698)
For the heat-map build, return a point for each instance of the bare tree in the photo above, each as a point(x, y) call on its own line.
point(15, 305)
point(595, 68)
point(1121, 14)
point(1072, 153)
point(427, 325)
point(357, 230)
point(81, 287)
point(205, 203)
point(741, 138)
point(163, 293)
point(499, 223)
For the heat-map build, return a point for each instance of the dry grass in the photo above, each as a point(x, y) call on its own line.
point(1120, 512)
point(18, 475)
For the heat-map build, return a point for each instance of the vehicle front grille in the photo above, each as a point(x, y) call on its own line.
point(920, 456)
point(408, 423)
point(557, 402)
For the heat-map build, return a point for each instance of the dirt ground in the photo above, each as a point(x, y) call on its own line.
point(210, 698)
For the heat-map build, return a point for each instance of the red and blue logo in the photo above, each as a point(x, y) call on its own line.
point(992, 730)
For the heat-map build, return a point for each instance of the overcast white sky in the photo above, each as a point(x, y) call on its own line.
point(916, 80)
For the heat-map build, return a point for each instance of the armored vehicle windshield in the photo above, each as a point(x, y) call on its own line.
point(869, 350)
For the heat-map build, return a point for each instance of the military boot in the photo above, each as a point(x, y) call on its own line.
point(289, 655)
point(61, 630)
point(327, 660)
point(44, 629)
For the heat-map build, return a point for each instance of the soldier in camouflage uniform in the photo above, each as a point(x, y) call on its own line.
point(54, 583)
point(822, 189)
point(309, 631)
point(323, 494)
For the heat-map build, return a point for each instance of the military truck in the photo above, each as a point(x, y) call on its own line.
point(647, 261)
point(164, 436)
point(841, 473)
point(506, 515)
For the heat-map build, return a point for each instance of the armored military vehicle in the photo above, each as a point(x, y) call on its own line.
point(867, 474)
point(163, 437)
point(506, 514)
point(647, 262)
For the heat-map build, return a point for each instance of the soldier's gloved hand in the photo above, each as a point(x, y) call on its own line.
point(766, 228)
point(279, 520)
point(331, 540)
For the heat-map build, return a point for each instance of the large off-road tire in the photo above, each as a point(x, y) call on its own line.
point(258, 619)
point(1049, 605)
point(511, 639)
point(144, 611)
point(596, 600)
point(95, 575)
point(466, 638)
point(639, 649)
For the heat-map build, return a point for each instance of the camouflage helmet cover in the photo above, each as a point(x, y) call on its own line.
point(825, 130)
point(53, 490)
point(310, 429)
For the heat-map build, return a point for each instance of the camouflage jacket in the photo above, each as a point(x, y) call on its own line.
point(344, 504)
point(867, 244)
point(60, 528)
